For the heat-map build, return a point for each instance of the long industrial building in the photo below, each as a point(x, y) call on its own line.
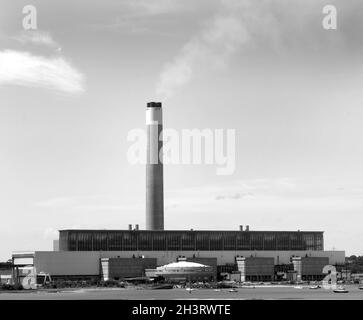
point(178, 240)
point(119, 254)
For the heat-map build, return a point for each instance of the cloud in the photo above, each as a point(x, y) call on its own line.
point(235, 196)
point(259, 29)
point(24, 69)
point(218, 40)
point(55, 202)
point(243, 190)
point(144, 17)
point(68, 201)
point(90, 203)
point(153, 7)
point(37, 38)
point(267, 193)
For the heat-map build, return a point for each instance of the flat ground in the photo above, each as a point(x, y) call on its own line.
point(259, 292)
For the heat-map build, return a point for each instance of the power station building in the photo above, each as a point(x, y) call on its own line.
point(118, 254)
point(189, 240)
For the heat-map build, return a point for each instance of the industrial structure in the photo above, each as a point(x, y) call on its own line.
point(155, 252)
point(186, 271)
point(154, 168)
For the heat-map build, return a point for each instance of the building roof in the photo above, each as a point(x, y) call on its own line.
point(188, 230)
point(184, 264)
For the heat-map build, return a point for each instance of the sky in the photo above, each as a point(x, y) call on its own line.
point(71, 91)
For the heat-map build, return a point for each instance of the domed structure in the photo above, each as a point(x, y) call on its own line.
point(185, 270)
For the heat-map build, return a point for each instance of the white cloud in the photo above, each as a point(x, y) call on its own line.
point(38, 38)
point(90, 203)
point(266, 193)
point(153, 7)
point(256, 28)
point(24, 69)
point(55, 202)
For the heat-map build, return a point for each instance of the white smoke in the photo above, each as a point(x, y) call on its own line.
point(262, 25)
point(220, 38)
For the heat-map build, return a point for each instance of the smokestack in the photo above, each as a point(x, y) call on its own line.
point(247, 228)
point(154, 168)
point(241, 227)
point(136, 227)
point(130, 226)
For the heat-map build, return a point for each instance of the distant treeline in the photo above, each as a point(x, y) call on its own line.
point(354, 263)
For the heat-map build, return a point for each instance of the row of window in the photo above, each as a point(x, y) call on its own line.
point(126, 241)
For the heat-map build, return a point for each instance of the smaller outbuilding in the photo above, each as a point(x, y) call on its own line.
point(121, 268)
point(255, 268)
point(310, 268)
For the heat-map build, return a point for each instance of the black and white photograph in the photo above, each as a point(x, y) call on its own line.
point(183, 156)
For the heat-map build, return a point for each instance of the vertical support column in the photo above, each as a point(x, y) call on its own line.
point(241, 267)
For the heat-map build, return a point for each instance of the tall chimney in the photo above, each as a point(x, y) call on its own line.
point(154, 168)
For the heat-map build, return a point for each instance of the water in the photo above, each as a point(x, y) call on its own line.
point(260, 292)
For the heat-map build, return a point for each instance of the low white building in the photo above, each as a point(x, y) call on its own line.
point(186, 270)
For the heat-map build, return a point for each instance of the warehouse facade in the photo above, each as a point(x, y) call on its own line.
point(95, 264)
